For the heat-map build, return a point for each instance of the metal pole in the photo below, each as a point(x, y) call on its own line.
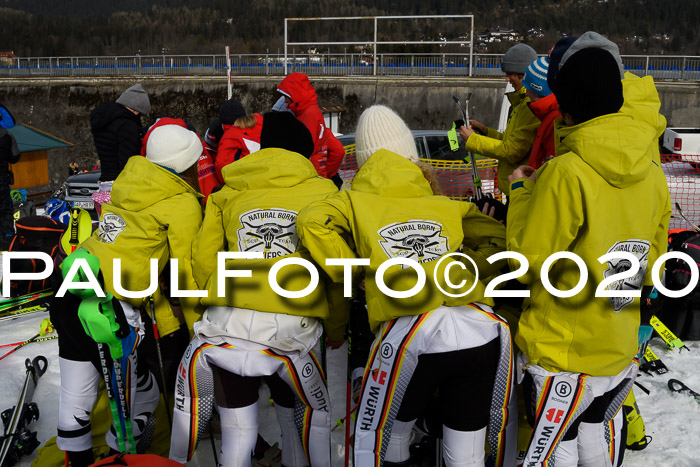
point(285, 46)
point(471, 48)
point(646, 67)
point(228, 72)
point(374, 61)
point(683, 69)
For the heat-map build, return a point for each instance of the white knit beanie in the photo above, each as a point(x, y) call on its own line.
point(380, 127)
point(173, 147)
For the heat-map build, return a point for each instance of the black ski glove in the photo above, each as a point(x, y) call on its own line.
point(500, 211)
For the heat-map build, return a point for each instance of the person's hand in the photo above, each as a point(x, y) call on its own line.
point(492, 208)
point(465, 132)
point(524, 171)
point(335, 345)
point(478, 126)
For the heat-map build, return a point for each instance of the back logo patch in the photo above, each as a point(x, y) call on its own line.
point(271, 231)
point(640, 249)
point(419, 240)
point(111, 226)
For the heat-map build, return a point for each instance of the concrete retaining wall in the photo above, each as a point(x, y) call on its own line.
point(62, 106)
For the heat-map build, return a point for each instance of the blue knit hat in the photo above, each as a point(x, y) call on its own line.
point(536, 77)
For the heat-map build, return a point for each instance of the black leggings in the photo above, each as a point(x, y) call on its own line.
point(465, 381)
point(234, 391)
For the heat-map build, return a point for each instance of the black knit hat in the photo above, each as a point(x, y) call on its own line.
point(555, 56)
point(230, 111)
point(283, 130)
point(588, 85)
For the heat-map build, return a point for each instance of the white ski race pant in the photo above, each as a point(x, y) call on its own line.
point(575, 415)
point(393, 359)
point(80, 382)
point(194, 397)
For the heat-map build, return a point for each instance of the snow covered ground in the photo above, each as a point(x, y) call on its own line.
point(673, 420)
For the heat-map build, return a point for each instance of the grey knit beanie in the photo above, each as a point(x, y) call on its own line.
point(379, 127)
point(136, 98)
point(591, 39)
point(517, 58)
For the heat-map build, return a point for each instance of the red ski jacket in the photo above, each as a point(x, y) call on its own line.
point(237, 143)
point(328, 151)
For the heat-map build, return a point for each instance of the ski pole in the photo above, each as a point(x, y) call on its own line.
point(116, 418)
point(42, 339)
point(156, 335)
point(46, 328)
point(472, 159)
point(126, 411)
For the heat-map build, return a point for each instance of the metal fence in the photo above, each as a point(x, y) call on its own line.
point(661, 67)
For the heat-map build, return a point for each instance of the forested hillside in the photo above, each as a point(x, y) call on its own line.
point(106, 27)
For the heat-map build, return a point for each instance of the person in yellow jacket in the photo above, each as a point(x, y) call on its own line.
point(154, 213)
point(511, 147)
point(606, 195)
point(641, 101)
point(426, 339)
point(249, 331)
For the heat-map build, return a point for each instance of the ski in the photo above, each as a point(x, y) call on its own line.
point(652, 363)
point(666, 334)
point(22, 312)
point(18, 440)
point(11, 303)
point(677, 386)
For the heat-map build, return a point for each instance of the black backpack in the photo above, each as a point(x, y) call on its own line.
point(34, 233)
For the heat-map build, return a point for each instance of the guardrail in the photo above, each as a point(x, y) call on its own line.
point(661, 67)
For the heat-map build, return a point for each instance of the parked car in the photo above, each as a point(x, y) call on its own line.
point(431, 144)
point(78, 190)
point(683, 141)
point(434, 145)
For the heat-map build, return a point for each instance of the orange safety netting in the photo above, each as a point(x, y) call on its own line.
point(455, 177)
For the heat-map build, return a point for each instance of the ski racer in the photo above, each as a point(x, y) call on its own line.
point(391, 212)
point(543, 103)
point(154, 213)
point(251, 333)
point(576, 373)
point(512, 146)
point(209, 178)
point(301, 99)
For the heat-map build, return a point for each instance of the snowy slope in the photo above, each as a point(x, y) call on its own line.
point(672, 420)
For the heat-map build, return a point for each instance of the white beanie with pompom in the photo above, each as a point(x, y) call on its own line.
point(173, 147)
point(379, 127)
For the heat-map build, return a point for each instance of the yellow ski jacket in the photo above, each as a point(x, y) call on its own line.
point(256, 211)
point(391, 212)
point(605, 195)
point(153, 214)
point(512, 147)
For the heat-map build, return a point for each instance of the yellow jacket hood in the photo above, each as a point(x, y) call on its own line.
point(615, 146)
point(143, 183)
point(268, 168)
point(388, 174)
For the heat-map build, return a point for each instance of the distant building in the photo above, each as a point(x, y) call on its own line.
point(6, 58)
point(499, 35)
point(32, 170)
